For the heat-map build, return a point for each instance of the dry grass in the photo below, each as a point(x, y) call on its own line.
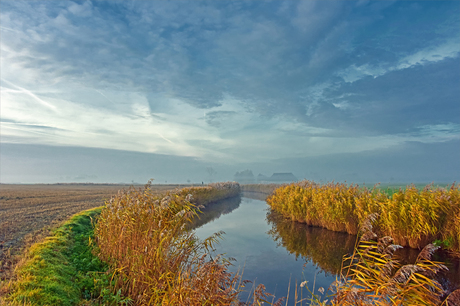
point(155, 259)
point(372, 276)
point(211, 193)
point(28, 212)
point(413, 217)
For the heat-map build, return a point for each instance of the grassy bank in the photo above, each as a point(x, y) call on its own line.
point(411, 216)
point(148, 257)
point(63, 270)
point(156, 260)
point(59, 270)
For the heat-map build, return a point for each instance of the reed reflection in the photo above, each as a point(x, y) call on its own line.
point(213, 211)
point(326, 248)
point(322, 247)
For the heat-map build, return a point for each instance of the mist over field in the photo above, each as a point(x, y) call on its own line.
point(196, 91)
point(411, 163)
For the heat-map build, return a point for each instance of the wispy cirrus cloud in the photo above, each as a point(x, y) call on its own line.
point(230, 80)
point(432, 54)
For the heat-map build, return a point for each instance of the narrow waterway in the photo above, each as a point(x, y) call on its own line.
point(263, 260)
point(280, 253)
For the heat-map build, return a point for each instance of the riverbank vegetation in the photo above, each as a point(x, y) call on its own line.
point(155, 260)
point(62, 269)
point(30, 213)
point(145, 255)
point(413, 217)
point(140, 252)
point(373, 276)
point(211, 193)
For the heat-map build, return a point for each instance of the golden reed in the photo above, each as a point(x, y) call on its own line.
point(155, 260)
point(412, 217)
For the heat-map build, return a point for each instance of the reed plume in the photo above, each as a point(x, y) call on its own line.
point(372, 276)
point(154, 259)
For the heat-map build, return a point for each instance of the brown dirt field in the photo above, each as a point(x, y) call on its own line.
point(29, 212)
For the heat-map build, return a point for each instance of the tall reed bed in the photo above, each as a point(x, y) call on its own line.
point(373, 276)
point(155, 260)
point(211, 193)
point(413, 217)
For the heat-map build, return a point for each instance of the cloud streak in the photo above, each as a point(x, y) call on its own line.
point(30, 94)
point(230, 81)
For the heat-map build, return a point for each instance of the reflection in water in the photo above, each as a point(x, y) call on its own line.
point(215, 210)
point(326, 248)
point(280, 253)
point(451, 279)
point(322, 247)
point(262, 261)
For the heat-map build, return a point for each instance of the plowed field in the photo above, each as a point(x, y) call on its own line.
point(28, 212)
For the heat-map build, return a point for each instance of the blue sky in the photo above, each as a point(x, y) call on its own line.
point(310, 87)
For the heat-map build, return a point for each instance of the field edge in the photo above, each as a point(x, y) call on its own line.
point(57, 271)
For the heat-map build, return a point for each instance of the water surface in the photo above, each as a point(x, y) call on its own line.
point(280, 253)
point(249, 239)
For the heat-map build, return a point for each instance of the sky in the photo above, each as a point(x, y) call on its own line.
point(125, 91)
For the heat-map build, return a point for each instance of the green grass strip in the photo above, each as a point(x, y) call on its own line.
point(61, 269)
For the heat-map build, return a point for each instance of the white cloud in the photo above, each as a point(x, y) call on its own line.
point(450, 49)
point(31, 94)
point(355, 73)
point(150, 81)
point(432, 54)
point(83, 10)
point(342, 105)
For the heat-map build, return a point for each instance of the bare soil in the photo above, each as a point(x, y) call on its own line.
point(29, 212)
